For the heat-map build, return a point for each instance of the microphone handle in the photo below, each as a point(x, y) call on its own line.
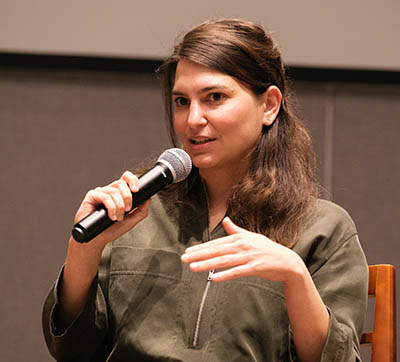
point(149, 183)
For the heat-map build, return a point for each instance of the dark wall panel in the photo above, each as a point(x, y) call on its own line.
point(60, 135)
point(366, 167)
point(365, 172)
point(314, 108)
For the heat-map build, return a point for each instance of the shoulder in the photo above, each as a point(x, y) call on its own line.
point(330, 231)
point(331, 217)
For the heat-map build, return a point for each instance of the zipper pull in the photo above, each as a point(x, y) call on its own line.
point(210, 273)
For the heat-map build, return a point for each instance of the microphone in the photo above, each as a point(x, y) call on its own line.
point(174, 165)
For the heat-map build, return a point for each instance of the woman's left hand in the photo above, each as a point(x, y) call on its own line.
point(244, 253)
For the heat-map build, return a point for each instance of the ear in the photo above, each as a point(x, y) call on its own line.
point(272, 99)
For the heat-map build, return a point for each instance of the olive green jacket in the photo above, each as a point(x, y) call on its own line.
point(145, 305)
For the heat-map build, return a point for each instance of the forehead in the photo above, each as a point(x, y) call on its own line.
point(188, 70)
point(192, 74)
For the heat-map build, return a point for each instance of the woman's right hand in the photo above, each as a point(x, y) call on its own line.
point(117, 198)
point(82, 262)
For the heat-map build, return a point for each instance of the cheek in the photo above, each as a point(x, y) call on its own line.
point(249, 132)
point(245, 123)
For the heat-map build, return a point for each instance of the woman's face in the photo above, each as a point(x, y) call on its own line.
point(217, 118)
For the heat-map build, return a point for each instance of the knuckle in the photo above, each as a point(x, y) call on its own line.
point(236, 272)
point(122, 183)
point(224, 260)
point(118, 184)
point(89, 194)
point(258, 267)
point(93, 194)
point(127, 199)
point(114, 191)
point(127, 173)
point(108, 201)
point(97, 189)
point(241, 243)
point(128, 176)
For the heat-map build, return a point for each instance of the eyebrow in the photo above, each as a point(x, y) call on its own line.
point(203, 90)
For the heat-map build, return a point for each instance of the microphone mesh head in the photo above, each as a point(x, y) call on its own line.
point(178, 161)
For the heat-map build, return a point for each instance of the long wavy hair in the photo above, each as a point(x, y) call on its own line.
point(275, 196)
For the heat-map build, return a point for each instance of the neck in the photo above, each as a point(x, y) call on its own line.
point(219, 185)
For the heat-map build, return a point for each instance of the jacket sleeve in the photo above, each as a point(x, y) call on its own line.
point(84, 339)
point(334, 257)
point(342, 281)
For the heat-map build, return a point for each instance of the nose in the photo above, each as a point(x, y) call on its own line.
point(196, 116)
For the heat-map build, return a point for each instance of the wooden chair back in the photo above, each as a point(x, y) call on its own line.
point(383, 337)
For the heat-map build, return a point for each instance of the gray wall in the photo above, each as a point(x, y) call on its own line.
point(63, 133)
point(340, 33)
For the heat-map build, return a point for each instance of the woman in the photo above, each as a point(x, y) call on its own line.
point(241, 261)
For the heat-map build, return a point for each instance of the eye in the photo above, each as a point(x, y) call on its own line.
point(216, 97)
point(181, 101)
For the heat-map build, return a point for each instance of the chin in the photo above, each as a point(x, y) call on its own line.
point(203, 163)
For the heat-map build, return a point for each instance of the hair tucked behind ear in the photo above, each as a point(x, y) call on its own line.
point(280, 186)
point(276, 195)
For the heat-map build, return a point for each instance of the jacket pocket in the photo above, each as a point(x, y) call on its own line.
point(143, 298)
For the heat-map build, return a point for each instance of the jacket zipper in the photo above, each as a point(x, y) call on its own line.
point(204, 297)
point(199, 314)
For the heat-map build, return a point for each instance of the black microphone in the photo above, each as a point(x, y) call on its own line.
point(174, 165)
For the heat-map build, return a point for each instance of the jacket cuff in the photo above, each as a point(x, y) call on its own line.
point(88, 311)
point(87, 329)
point(339, 346)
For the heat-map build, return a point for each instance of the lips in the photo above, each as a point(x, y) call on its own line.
point(201, 141)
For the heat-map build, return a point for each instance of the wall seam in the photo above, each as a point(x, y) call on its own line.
point(328, 135)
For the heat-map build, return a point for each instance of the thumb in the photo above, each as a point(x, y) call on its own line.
point(230, 227)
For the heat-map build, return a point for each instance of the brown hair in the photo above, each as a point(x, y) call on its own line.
point(275, 196)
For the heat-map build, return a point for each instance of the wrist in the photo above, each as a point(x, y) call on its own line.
point(82, 260)
point(297, 275)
